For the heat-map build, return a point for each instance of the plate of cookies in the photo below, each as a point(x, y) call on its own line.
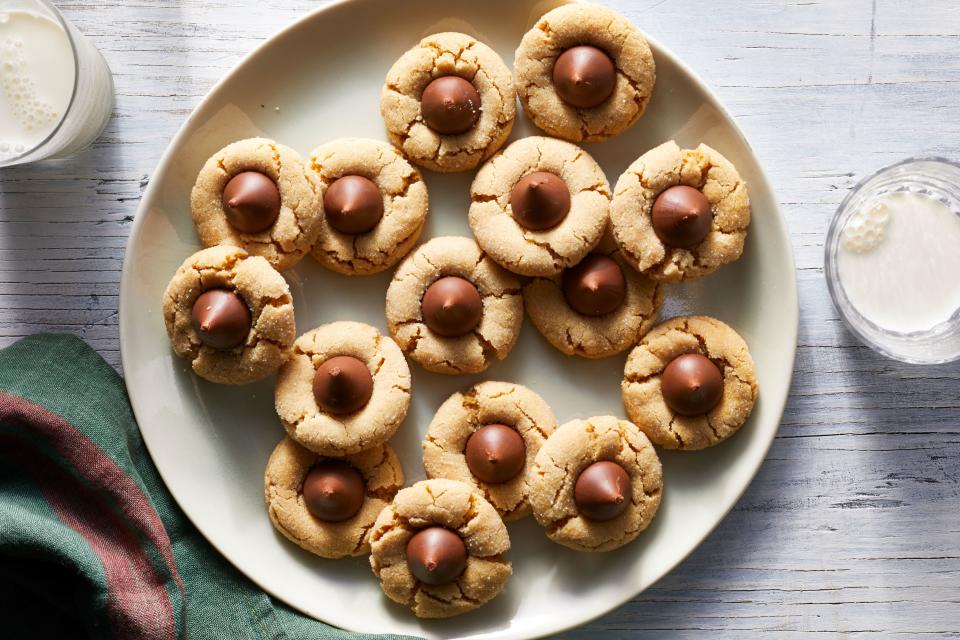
point(458, 319)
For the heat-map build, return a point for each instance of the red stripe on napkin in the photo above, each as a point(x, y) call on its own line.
point(105, 510)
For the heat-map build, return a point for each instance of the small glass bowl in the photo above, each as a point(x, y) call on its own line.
point(936, 178)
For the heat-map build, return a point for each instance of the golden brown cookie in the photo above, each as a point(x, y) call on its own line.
point(328, 533)
point(733, 390)
point(297, 204)
point(263, 335)
point(576, 512)
point(458, 508)
point(653, 174)
point(471, 324)
point(593, 331)
point(603, 59)
point(336, 407)
point(415, 106)
point(506, 235)
point(346, 245)
point(449, 450)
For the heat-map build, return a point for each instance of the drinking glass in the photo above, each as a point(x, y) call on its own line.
point(77, 123)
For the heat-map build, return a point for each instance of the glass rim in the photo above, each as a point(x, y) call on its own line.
point(852, 318)
point(73, 93)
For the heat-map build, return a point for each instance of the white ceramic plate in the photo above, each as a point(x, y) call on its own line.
point(211, 443)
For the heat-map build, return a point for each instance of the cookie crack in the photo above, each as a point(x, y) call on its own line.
point(536, 426)
point(674, 432)
point(555, 257)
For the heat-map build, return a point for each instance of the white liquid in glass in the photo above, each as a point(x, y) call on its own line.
point(899, 262)
point(37, 72)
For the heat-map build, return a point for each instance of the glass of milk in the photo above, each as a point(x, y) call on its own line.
point(56, 91)
point(892, 261)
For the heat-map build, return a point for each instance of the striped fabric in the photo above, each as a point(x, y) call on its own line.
point(91, 543)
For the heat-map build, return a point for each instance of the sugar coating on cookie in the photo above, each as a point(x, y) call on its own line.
point(263, 290)
point(458, 507)
point(436, 56)
point(641, 386)
point(574, 333)
point(573, 447)
point(502, 307)
point(575, 25)
point(654, 172)
point(298, 224)
point(405, 205)
point(539, 252)
point(488, 403)
point(343, 434)
point(286, 470)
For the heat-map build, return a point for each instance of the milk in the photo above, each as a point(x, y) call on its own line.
point(37, 74)
point(899, 262)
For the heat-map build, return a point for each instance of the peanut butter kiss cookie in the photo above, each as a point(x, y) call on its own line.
point(258, 195)
point(680, 214)
point(584, 72)
point(374, 202)
point(448, 103)
point(438, 548)
point(345, 389)
point(328, 505)
point(595, 308)
point(690, 383)
point(489, 436)
point(453, 309)
point(596, 484)
point(230, 314)
point(539, 206)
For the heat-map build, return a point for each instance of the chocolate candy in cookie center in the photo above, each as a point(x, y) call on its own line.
point(451, 307)
point(681, 216)
point(333, 491)
point(584, 76)
point(596, 286)
point(691, 384)
point(353, 204)
point(436, 555)
point(342, 384)
point(602, 491)
point(221, 319)
point(251, 201)
point(495, 453)
point(450, 105)
point(540, 200)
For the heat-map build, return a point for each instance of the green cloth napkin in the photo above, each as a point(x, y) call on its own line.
point(91, 543)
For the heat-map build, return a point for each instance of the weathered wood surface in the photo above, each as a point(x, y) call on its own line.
point(853, 525)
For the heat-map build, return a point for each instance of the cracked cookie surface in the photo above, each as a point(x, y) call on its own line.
point(573, 333)
point(458, 507)
point(463, 413)
point(666, 166)
point(343, 434)
point(571, 449)
point(405, 205)
point(448, 54)
point(502, 315)
point(573, 25)
point(283, 491)
point(526, 251)
point(641, 389)
point(266, 294)
point(301, 209)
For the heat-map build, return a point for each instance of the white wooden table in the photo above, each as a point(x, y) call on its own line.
point(853, 524)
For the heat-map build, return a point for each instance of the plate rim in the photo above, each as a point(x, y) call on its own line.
point(166, 159)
